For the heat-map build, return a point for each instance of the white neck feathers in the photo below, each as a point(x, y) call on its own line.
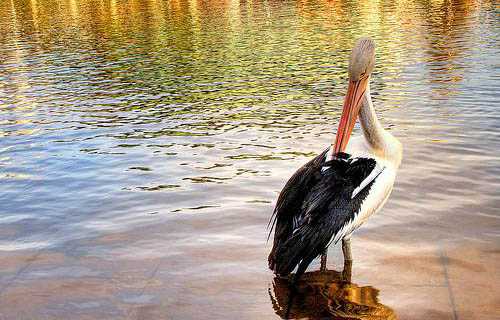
point(382, 143)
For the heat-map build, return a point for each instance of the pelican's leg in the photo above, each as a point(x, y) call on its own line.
point(323, 260)
point(346, 249)
point(347, 272)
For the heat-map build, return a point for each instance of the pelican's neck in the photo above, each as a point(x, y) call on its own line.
point(381, 142)
point(372, 129)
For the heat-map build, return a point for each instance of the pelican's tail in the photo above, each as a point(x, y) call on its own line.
point(301, 249)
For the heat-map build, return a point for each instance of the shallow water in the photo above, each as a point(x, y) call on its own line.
point(143, 144)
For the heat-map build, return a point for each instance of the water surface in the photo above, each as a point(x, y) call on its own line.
point(144, 142)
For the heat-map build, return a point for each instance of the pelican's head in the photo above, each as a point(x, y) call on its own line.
point(362, 59)
point(361, 65)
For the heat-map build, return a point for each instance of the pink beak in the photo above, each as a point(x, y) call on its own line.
point(352, 105)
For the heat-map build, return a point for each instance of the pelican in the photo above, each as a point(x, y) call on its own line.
point(332, 195)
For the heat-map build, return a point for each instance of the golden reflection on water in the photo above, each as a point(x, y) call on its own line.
point(180, 23)
point(181, 39)
point(327, 295)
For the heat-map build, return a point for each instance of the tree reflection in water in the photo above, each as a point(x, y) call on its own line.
point(328, 295)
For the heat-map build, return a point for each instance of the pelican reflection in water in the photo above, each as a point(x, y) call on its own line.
point(327, 295)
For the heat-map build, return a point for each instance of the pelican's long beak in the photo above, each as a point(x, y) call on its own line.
point(352, 104)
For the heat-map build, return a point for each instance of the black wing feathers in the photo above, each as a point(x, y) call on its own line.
point(313, 207)
point(289, 202)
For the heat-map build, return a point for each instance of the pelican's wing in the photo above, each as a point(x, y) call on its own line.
point(287, 212)
point(294, 191)
point(369, 179)
point(341, 189)
point(328, 205)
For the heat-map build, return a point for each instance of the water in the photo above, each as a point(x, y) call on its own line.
point(143, 144)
